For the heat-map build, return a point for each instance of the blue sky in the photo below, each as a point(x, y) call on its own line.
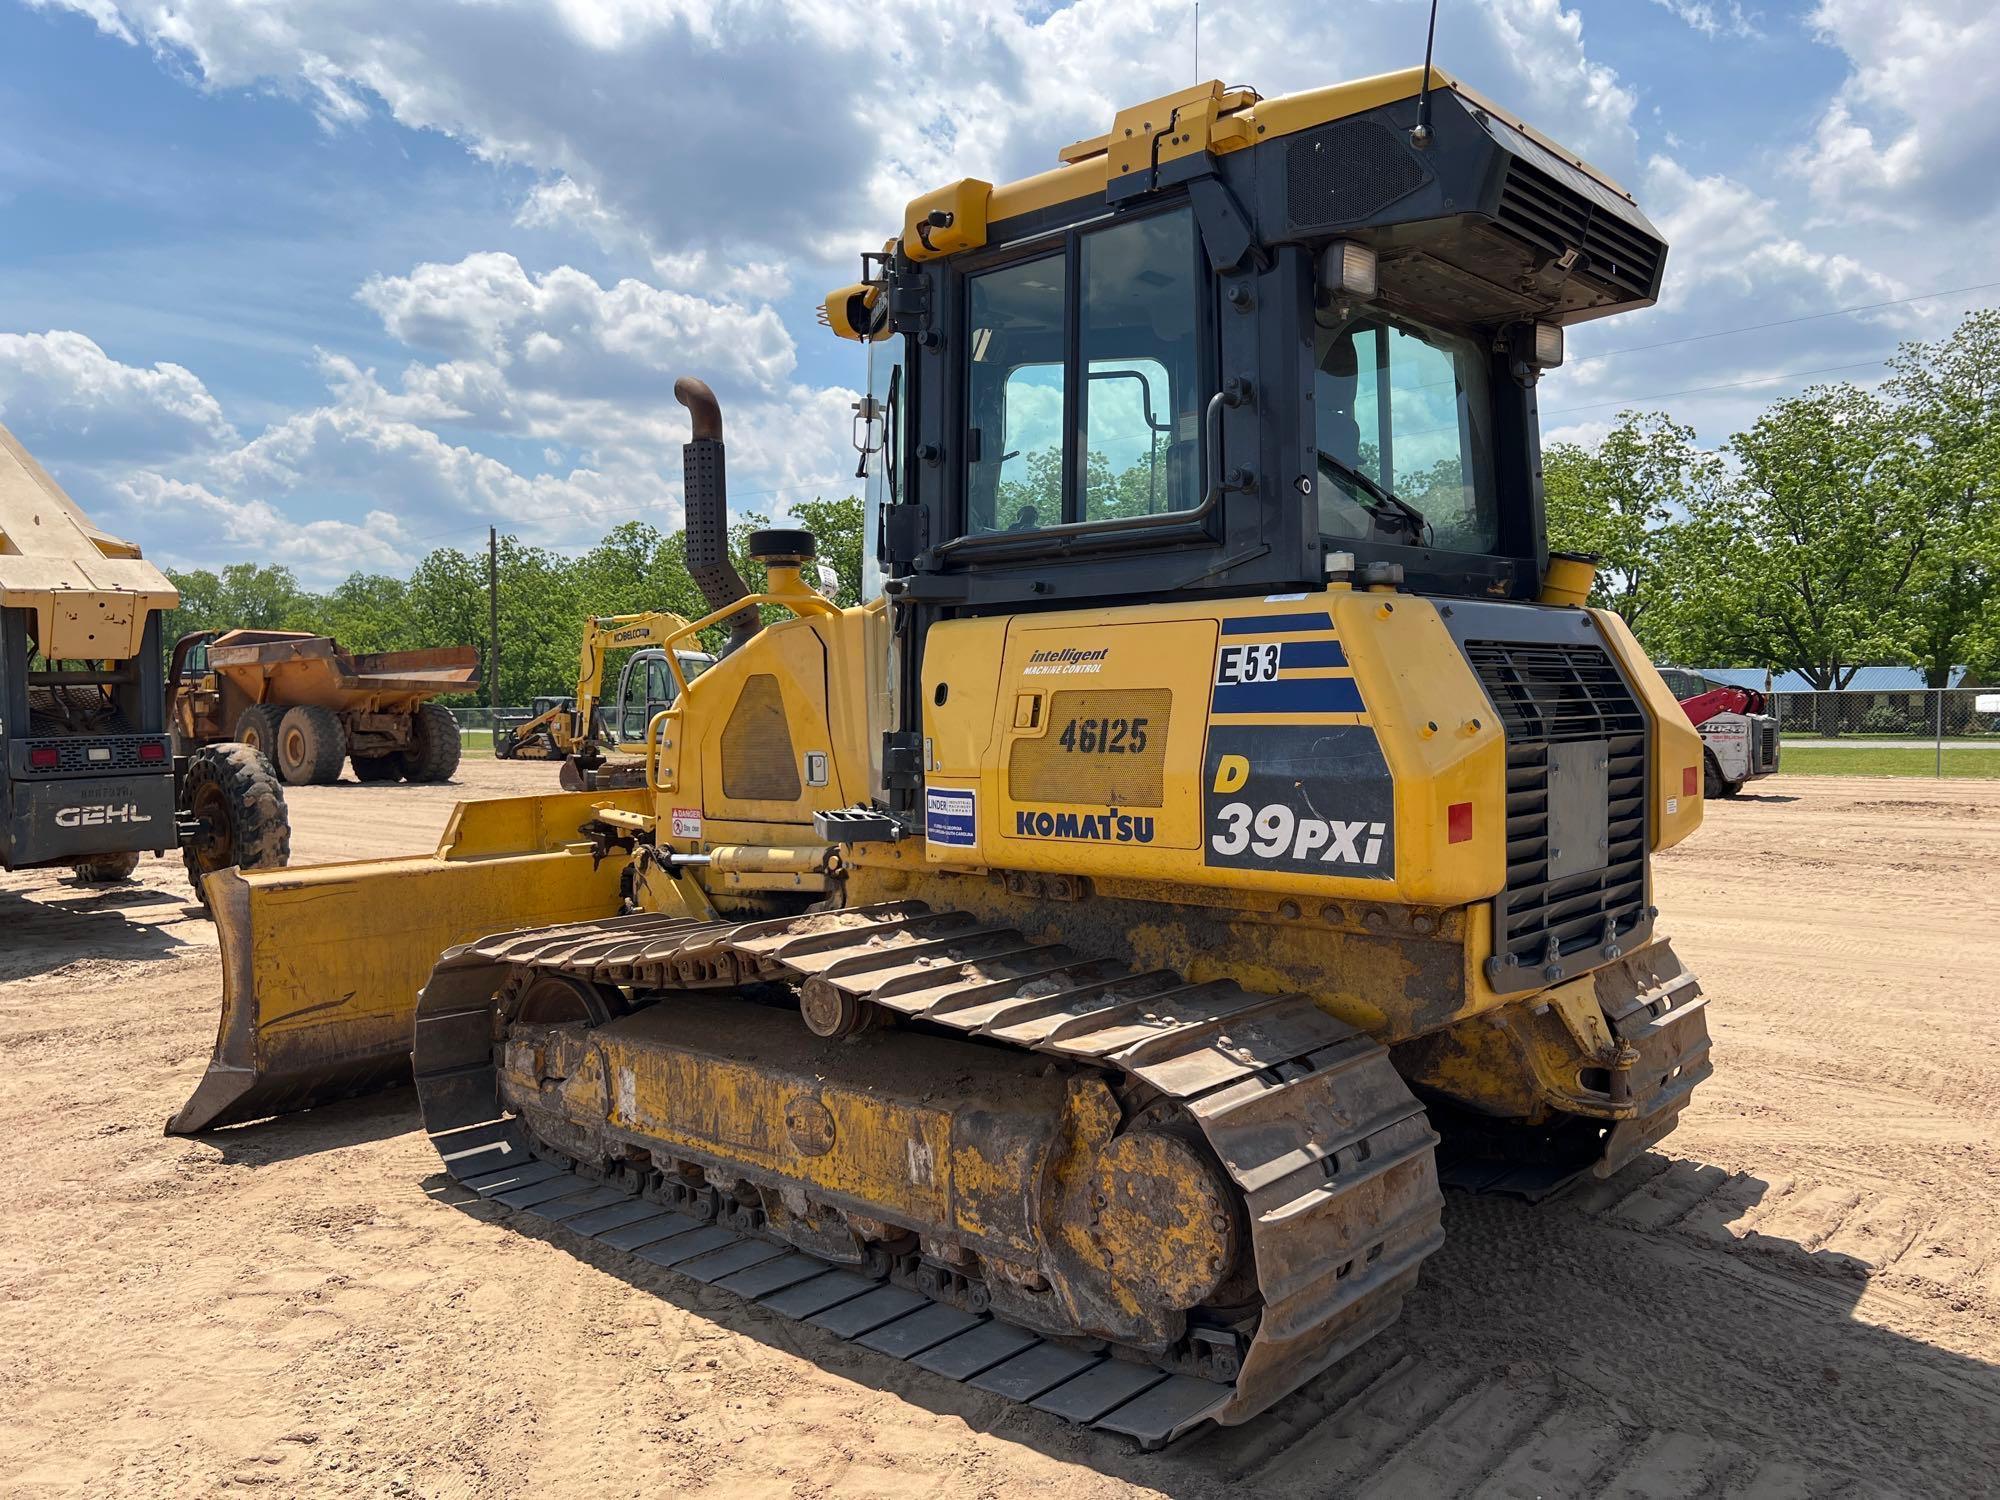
point(334, 284)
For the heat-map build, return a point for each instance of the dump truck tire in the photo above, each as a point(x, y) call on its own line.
point(373, 768)
point(311, 746)
point(106, 869)
point(235, 793)
point(434, 745)
point(257, 727)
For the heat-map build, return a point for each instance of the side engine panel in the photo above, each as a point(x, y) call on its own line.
point(1336, 744)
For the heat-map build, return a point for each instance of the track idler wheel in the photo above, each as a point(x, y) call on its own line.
point(1161, 1217)
point(544, 999)
point(829, 1011)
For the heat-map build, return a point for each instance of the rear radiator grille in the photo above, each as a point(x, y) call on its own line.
point(1556, 218)
point(1547, 929)
point(1767, 746)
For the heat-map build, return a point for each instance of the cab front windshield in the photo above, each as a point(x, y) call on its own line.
point(1405, 435)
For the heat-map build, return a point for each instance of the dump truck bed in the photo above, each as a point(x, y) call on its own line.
point(270, 667)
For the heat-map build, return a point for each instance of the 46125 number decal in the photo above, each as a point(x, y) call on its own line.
point(1104, 736)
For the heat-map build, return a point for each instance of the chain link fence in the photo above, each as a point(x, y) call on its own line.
point(1923, 714)
point(1941, 718)
point(481, 719)
point(1915, 716)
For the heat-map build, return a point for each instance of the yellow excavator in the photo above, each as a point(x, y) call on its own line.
point(1076, 970)
point(576, 733)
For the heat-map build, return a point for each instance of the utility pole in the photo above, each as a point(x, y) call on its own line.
point(493, 617)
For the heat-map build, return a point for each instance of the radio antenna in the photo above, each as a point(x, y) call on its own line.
point(1197, 41)
point(1421, 136)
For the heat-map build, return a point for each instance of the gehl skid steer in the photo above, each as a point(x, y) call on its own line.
point(1076, 969)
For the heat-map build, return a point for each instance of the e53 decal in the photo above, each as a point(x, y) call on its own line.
point(1315, 801)
point(1254, 661)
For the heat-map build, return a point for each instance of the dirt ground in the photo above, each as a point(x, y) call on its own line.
point(1798, 1295)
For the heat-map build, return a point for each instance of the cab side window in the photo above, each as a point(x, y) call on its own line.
point(1142, 416)
point(1014, 396)
point(1084, 384)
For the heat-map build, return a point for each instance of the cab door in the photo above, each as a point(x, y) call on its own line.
point(631, 704)
point(201, 691)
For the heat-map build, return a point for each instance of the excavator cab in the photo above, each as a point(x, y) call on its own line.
point(1076, 968)
point(646, 687)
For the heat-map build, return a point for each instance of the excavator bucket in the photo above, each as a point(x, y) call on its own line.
point(321, 965)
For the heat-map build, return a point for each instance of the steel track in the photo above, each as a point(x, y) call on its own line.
point(1332, 1156)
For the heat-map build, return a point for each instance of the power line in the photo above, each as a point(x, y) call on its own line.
point(1693, 338)
point(626, 511)
point(1728, 385)
point(1838, 312)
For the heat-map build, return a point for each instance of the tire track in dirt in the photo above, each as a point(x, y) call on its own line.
point(1797, 1297)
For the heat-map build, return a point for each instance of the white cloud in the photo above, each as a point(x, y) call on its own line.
point(561, 358)
point(1909, 130)
point(1712, 18)
point(564, 203)
point(66, 398)
point(724, 154)
point(1708, 354)
point(759, 135)
point(577, 374)
point(102, 12)
point(1587, 434)
point(1724, 235)
point(256, 528)
point(562, 332)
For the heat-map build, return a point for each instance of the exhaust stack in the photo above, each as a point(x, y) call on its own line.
point(706, 493)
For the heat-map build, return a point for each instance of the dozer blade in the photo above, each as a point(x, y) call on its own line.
point(321, 965)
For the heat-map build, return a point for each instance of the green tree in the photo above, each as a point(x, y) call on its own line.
point(446, 601)
point(1800, 562)
point(836, 528)
point(1625, 502)
point(248, 596)
point(1949, 396)
point(368, 612)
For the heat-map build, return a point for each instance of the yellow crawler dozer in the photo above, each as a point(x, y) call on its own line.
point(1076, 969)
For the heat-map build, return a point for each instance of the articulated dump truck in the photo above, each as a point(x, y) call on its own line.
point(1077, 969)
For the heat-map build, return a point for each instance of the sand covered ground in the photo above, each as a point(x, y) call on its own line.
point(1797, 1295)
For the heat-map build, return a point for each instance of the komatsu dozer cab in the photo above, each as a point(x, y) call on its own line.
point(1076, 969)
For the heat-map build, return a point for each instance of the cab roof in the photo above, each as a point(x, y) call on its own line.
point(1209, 116)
